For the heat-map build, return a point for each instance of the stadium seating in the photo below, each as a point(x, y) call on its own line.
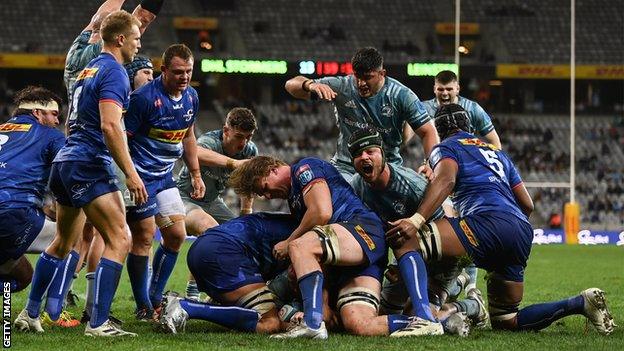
point(538, 33)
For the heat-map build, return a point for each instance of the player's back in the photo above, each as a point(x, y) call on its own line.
point(103, 80)
point(345, 203)
point(257, 234)
point(485, 178)
point(27, 149)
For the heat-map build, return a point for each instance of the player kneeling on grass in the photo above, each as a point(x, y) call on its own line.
point(335, 230)
point(231, 263)
point(493, 227)
point(393, 192)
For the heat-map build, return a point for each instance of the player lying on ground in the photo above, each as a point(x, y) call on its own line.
point(395, 192)
point(335, 229)
point(232, 263)
point(492, 228)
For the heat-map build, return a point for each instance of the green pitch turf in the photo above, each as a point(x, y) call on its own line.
point(554, 272)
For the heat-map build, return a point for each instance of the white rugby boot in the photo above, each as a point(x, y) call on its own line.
point(299, 329)
point(24, 323)
point(481, 321)
point(457, 324)
point(173, 317)
point(419, 326)
point(596, 310)
point(108, 329)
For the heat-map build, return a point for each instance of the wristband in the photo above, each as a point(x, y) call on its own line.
point(229, 164)
point(303, 85)
point(417, 219)
point(246, 211)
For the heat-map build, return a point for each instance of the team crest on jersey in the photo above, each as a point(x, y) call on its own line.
point(167, 136)
point(87, 73)
point(13, 127)
point(158, 103)
point(387, 111)
point(399, 207)
point(369, 242)
point(304, 174)
point(476, 142)
point(188, 115)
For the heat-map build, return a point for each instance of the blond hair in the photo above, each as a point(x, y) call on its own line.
point(244, 178)
point(117, 23)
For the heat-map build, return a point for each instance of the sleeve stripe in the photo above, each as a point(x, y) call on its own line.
point(517, 185)
point(113, 101)
point(445, 157)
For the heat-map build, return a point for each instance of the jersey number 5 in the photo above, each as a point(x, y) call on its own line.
point(495, 164)
point(74, 104)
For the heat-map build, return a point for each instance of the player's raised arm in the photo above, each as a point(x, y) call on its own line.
point(110, 115)
point(106, 8)
point(190, 158)
point(302, 87)
point(212, 158)
point(493, 138)
point(147, 11)
point(429, 137)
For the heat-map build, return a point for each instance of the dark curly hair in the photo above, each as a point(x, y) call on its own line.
point(366, 60)
point(33, 94)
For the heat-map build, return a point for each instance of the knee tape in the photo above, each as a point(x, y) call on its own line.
point(359, 296)
point(261, 300)
point(168, 221)
point(430, 243)
point(329, 244)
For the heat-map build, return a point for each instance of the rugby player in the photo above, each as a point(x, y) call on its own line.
point(368, 98)
point(29, 142)
point(219, 152)
point(493, 227)
point(82, 178)
point(86, 47)
point(160, 127)
point(335, 229)
point(395, 192)
point(232, 263)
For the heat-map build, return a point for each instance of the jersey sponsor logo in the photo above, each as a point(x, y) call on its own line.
point(167, 136)
point(387, 111)
point(87, 73)
point(304, 174)
point(367, 239)
point(178, 106)
point(476, 142)
point(13, 127)
point(469, 234)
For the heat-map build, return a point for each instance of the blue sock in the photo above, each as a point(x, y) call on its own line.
point(539, 316)
point(45, 271)
point(472, 271)
point(396, 322)
point(138, 272)
point(468, 306)
point(414, 274)
point(232, 317)
point(60, 285)
point(107, 276)
point(164, 261)
point(311, 287)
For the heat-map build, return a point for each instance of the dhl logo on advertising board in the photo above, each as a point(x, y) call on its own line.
point(560, 71)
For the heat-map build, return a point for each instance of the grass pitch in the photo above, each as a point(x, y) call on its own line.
point(553, 272)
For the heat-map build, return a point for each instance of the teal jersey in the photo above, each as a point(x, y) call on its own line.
point(400, 199)
point(79, 55)
point(385, 112)
point(215, 178)
point(479, 119)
